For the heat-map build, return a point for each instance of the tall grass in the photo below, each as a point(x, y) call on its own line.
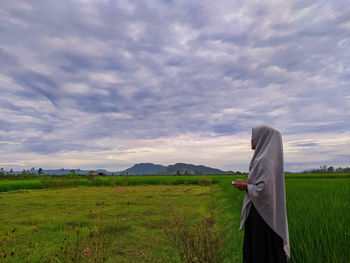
point(324, 175)
point(73, 181)
point(54, 182)
point(318, 213)
point(10, 185)
point(319, 220)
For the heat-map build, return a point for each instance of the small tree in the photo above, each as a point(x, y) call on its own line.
point(330, 169)
point(40, 171)
point(188, 172)
point(324, 168)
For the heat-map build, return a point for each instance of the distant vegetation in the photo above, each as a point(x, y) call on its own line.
point(72, 181)
point(148, 169)
point(137, 169)
point(330, 169)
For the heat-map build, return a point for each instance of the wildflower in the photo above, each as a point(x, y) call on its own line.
point(124, 219)
point(2, 254)
point(119, 190)
point(86, 251)
point(46, 245)
point(34, 229)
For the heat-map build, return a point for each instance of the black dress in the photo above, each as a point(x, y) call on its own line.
point(261, 243)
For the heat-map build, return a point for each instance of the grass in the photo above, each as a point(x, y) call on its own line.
point(317, 208)
point(313, 176)
point(54, 182)
point(318, 219)
point(202, 241)
point(56, 225)
point(10, 185)
point(72, 181)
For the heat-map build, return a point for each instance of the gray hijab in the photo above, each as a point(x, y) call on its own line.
point(266, 188)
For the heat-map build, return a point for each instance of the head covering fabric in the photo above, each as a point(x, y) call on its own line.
point(266, 185)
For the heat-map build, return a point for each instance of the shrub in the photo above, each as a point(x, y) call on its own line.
point(205, 181)
point(97, 181)
point(125, 181)
point(198, 242)
point(49, 182)
point(111, 181)
point(90, 177)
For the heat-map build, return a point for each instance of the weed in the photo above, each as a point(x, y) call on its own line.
point(198, 242)
point(96, 246)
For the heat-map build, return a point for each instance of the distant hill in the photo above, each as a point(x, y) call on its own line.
point(145, 168)
point(198, 169)
point(150, 168)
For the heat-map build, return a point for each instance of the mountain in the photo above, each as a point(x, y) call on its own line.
point(199, 169)
point(145, 168)
point(150, 168)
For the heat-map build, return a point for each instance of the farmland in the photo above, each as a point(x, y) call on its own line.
point(121, 219)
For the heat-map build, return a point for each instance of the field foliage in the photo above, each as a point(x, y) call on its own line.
point(125, 219)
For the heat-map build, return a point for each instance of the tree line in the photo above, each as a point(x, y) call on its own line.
point(329, 169)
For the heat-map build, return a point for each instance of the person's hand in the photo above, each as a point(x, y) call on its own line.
point(241, 184)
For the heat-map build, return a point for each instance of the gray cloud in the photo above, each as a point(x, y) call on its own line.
point(77, 72)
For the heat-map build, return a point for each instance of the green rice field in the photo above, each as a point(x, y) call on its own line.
point(122, 219)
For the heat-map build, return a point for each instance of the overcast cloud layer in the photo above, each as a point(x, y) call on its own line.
point(106, 84)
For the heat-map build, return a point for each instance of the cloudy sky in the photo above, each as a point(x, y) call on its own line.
point(106, 84)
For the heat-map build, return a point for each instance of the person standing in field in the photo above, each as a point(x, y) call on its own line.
point(266, 235)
